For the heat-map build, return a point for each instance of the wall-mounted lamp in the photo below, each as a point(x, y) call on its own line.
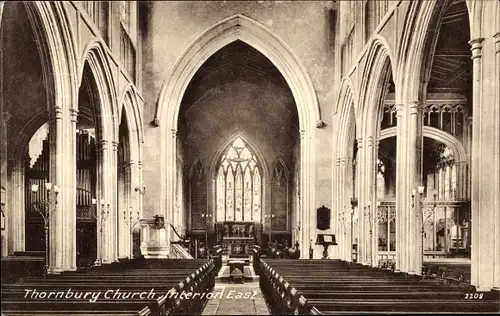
point(45, 210)
point(420, 190)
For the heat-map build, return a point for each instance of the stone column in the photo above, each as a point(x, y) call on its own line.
point(485, 256)
point(62, 227)
point(476, 269)
point(133, 205)
point(171, 205)
point(370, 204)
point(104, 210)
point(302, 209)
point(130, 211)
point(341, 166)
point(114, 216)
point(70, 208)
point(140, 183)
point(401, 190)
point(16, 204)
point(414, 167)
point(361, 193)
point(496, 133)
point(123, 208)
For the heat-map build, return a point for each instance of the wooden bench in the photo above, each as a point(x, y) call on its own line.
point(335, 287)
point(160, 277)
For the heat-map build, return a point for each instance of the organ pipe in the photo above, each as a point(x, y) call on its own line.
point(85, 173)
point(86, 169)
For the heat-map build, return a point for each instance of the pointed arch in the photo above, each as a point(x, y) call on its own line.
point(278, 164)
point(197, 169)
point(224, 147)
point(347, 105)
point(57, 43)
point(240, 200)
point(129, 106)
point(238, 27)
point(94, 55)
point(379, 66)
point(428, 131)
point(342, 172)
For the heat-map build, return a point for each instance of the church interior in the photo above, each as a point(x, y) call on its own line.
point(295, 157)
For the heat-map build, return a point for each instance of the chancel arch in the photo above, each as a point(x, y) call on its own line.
point(252, 33)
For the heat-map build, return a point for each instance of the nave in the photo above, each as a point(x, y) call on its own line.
point(282, 286)
point(359, 137)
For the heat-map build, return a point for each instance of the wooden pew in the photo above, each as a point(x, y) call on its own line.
point(332, 286)
point(162, 276)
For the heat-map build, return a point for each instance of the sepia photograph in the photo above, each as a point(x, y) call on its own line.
point(335, 157)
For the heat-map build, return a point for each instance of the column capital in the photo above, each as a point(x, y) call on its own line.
point(58, 112)
point(102, 145)
point(115, 145)
point(476, 47)
point(359, 142)
point(337, 161)
point(415, 107)
point(399, 109)
point(369, 141)
point(497, 42)
point(174, 133)
point(74, 115)
point(302, 133)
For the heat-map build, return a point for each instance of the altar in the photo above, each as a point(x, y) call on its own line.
point(238, 238)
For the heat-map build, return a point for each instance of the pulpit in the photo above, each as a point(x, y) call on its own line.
point(325, 240)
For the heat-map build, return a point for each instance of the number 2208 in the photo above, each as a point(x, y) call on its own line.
point(473, 296)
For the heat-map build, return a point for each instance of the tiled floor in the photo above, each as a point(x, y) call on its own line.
point(236, 299)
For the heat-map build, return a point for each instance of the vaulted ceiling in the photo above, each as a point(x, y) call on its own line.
point(237, 61)
point(452, 65)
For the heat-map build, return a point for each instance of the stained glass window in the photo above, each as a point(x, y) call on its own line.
point(239, 184)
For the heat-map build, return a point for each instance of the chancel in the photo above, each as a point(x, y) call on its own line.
point(327, 157)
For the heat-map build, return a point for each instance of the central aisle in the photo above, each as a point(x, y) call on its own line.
point(236, 299)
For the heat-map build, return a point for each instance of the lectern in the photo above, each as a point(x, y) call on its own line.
point(326, 240)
